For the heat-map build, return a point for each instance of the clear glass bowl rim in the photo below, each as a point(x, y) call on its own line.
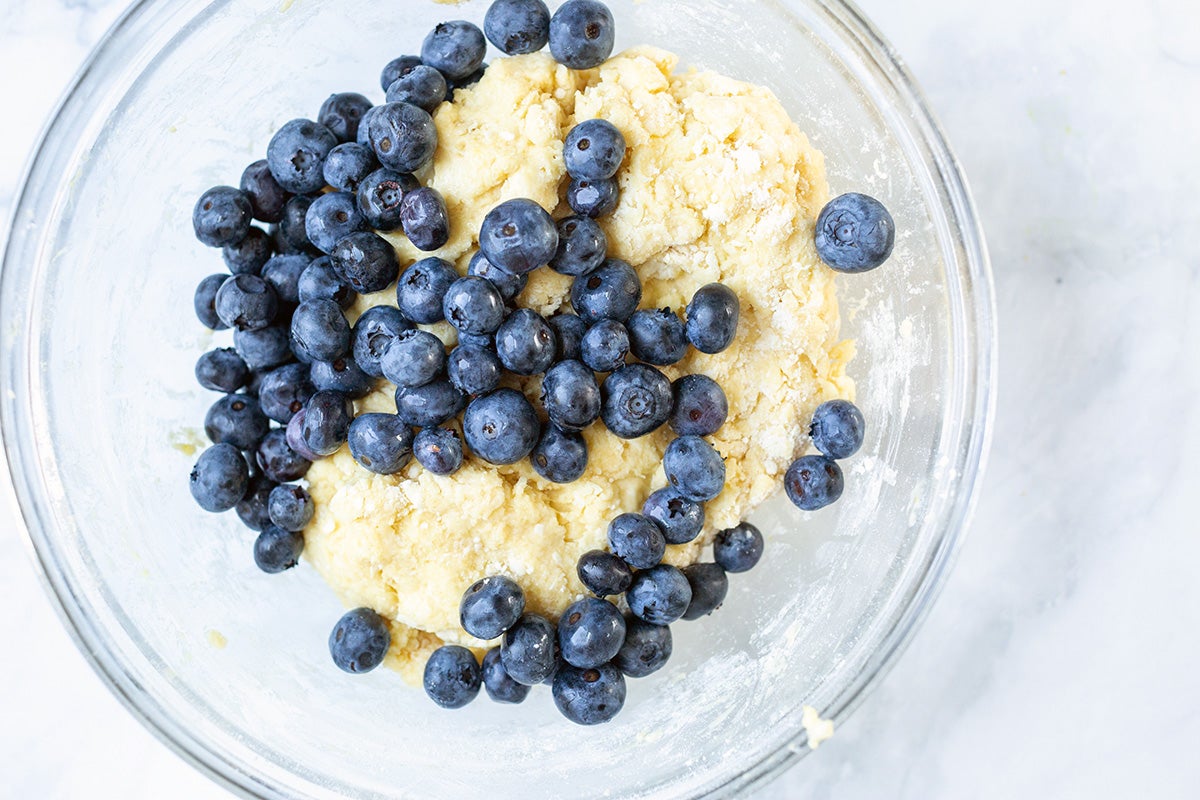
point(976, 385)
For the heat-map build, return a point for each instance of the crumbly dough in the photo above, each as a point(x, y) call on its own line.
point(718, 185)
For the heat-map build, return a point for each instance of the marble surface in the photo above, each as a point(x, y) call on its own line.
point(1059, 662)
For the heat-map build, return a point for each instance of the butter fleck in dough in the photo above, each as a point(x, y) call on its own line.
point(718, 185)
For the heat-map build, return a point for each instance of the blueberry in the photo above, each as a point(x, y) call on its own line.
point(342, 375)
point(501, 427)
point(236, 419)
point(560, 456)
point(694, 468)
point(342, 113)
point(204, 302)
point(284, 391)
point(290, 235)
point(603, 573)
point(294, 436)
point(424, 218)
point(659, 595)
point(491, 606)
point(594, 150)
point(252, 509)
point(605, 346)
point(709, 587)
point(508, 284)
point(277, 550)
point(571, 396)
point(646, 649)
point(569, 330)
point(681, 519)
point(296, 155)
point(582, 34)
point(414, 358)
point(327, 422)
point(656, 336)
point(248, 256)
point(738, 549)
point(582, 245)
point(220, 478)
point(612, 290)
point(837, 428)
point(222, 216)
point(855, 233)
point(422, 288)
point(332, 217)
point(278, 461)
point(529, 652)
point(379, 197)
point(517, 27)
point(452, 676)
point(637, 540)
point(499, 684)
point(700, 406)
point(246, 302)
point(348, 165)
point(319, 281)
point(525, 343)
point(456, 49)
point(424, 87)
point(590, 632)
point(283, 274)
point(474, 370)
point(265, 348)
point(593, 199)
point(320, 331)
point(290, 507)
point(712, 318)
point(439, 450)
point(373, 334)
point(518, 236)
point(359, 641)
point(813, 482)
point(473, 305)
point(429, 405)
point(635, 401)
point(403, 136)
point(222, 370)
point(589, 696)
point(381, 443)
point(366, 261)
point(266, 196)
point(396, 69)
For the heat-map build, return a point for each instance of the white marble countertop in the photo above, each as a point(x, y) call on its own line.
point(1060, 660)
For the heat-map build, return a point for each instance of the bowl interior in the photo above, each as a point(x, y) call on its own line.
point(233, 663)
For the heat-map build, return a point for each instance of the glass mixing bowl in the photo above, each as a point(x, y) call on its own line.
point(229, 666)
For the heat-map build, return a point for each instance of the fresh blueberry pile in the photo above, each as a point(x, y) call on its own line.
point(325, 190)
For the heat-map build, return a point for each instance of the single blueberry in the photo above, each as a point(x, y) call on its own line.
point(424, 87)
point(491, 606)
point(204, 302)
point(429, 405)
point(285, 390)
point(659, 595)
point(694, 468)
point(456, 48)
point(359, 641)
point(837, 428)
point(422, 288)
point(637, 540)
point(589, 696)
point(396, 69)
point(593, 199)
point(342, 113)
point(246, 302)
point(403, 136)
point(439, 450)
point(296, 155)
point(612, 290)
point(283, 274)
point(379, 197)
point(265, 348)
point(330, 218)
point(569, 330)
point(590, 632)
point(380, 443)
point(373, 334)
point(413, 359)
point(582, 34)
point(582, 245)
point(525, 343)
point(294, 436)
point(452, 676)
point(253, 509)
point(474, 370)
point(248, 256)
point(571, 396)
point(222, 216)
point(855, 233)
point(738, 549)
point(348, 165)
point(646, 649)
point(320, 331)
point(473, 305)
point(499, 684)
point(603, 573)
point(605, 346)
point(366, 261)
point(813, 482)
point(709, 587)
point(290, 235)
point(700, 406)
point(518, 236)
point(277, 550)
point(594, 150)
point(560, 456)
point(236, 419)
point(501, 427)
point(508, 284)
point(327, 422)
point(517, 27)
point(319, 281)
point(278, 461)
point(635, 401)
point(222, 370)
point(290, 506)
point(220, 478)
point(342, 375)
point(424, 218)
point(712, 318)
point(656, 336)
point(266, 196)
point(529, 652)
point(681, 519)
